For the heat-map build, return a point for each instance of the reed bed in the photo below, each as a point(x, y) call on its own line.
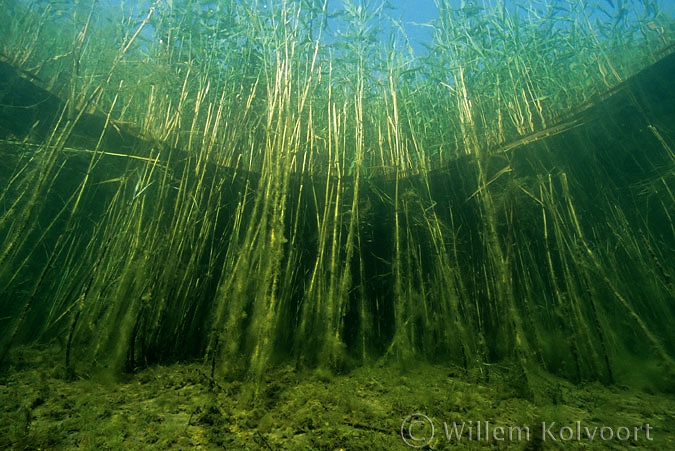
point(302, 195)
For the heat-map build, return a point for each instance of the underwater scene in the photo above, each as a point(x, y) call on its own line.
point(337, 224)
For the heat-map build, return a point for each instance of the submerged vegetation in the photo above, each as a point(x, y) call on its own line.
point(254, 182)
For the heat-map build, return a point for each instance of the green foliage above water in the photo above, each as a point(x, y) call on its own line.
point(522, 64)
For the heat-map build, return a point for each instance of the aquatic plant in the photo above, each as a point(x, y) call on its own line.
point(238, 182)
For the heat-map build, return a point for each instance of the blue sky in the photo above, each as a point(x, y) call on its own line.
point(414, 14)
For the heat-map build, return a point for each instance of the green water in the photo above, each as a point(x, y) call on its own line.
point(233, 185)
